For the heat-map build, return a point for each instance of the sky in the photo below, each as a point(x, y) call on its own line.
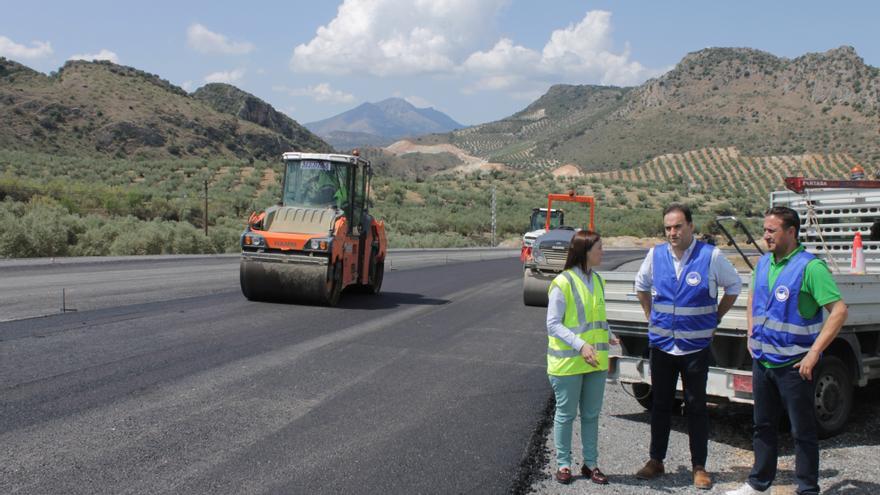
point(476, 60)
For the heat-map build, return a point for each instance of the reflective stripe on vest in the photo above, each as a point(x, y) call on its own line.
point(584, 318)
point(787, 327)
point(683, 314)
point(779, 333)
point(672, 310)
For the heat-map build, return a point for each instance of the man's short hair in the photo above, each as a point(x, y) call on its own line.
point(788, 216)
point(684, 209)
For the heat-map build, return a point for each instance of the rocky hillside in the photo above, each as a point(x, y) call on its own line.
point(379, 124)
point(100, 108)
point(718, 97)
point(226, 98)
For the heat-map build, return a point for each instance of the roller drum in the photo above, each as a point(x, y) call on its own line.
point(289, 282)
point(535, 287)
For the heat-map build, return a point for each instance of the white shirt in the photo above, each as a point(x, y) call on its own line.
point(721, 274)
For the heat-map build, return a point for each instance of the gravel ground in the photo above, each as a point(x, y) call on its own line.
point(848, 463)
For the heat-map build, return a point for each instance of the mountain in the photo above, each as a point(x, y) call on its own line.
point(718, 97)
point(226, 98)
point(101, 108)
point(378, 124)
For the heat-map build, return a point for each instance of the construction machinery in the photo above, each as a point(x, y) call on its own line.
point(831, 213)
point(545, 258)
point(320, 238)
point(537, 224)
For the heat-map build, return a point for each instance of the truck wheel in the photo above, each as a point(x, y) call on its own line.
point(834, 395)
point(642, 393)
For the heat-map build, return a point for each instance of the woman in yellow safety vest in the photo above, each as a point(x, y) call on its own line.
point(577, 353)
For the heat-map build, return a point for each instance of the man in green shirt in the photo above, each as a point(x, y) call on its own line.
point(817, 290)
point(787, 335)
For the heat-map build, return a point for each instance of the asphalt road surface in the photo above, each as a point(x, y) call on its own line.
point(46, 286)
point(434, 386)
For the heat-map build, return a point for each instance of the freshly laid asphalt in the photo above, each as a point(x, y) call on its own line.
point(437, 385)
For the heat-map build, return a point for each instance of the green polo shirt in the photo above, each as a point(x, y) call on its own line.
point(817, 289)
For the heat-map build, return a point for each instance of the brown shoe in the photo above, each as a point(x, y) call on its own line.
point(702, 480)
point(563, 476)
point(595, 475)
point(653, 468)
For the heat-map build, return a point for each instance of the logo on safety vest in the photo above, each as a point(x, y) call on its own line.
point(781, 293)
point(693, 279)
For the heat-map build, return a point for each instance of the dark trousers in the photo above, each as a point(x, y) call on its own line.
point(694, 371)
point(775, 390)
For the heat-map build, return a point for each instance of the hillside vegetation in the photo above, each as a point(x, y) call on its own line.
point(101, 159)
point(714, 98)
point(55, 206)
point(101, 109)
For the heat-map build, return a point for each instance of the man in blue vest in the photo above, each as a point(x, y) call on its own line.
point(677, 286)
point(786, 338)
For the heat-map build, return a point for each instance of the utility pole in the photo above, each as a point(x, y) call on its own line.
point(206, 208)
point(493, 215)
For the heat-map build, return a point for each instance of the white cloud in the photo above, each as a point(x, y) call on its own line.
point(228, 77)
point(188, 86)
point(495, 83)
point(203, 40)
point(320, 92)
point(104, 54)
point(585, 50)
point(11, 49)
point(416, 37)
point(395, 37)
point(581, 53)
point(503, 57)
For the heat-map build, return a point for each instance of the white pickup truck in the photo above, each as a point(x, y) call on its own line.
point(830, 217)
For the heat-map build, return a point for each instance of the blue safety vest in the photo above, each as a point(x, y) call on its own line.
point(779, 333)
point(683, 313)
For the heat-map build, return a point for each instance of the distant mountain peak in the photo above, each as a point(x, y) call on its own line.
point(381, 123)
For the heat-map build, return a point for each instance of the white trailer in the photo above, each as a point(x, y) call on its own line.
point(830, 217)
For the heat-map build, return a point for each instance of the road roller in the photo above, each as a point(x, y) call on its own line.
point(320, 238)
point(545, 258)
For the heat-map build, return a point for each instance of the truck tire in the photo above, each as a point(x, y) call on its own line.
point(834, 395)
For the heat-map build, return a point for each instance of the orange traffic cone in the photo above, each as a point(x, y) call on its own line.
point(857, 265)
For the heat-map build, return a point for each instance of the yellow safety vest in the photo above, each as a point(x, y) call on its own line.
point(585, 316)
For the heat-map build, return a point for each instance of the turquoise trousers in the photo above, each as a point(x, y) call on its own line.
point(572, 392)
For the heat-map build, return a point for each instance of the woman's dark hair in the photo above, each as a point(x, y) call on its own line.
point(582, 242)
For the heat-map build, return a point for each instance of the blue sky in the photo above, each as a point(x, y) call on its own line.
point(476, 60)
